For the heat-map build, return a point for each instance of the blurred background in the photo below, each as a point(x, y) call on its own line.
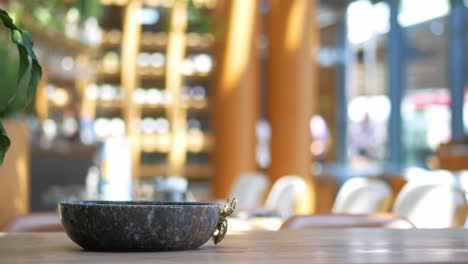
point(176, 99)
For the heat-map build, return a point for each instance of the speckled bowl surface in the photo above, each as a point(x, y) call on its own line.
point(139, 225)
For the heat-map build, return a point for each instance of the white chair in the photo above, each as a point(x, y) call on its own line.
point(363, 196)
point(287, 196)
point(463, 181)
point(415, 175)
point(249, 190)
point(431, 206)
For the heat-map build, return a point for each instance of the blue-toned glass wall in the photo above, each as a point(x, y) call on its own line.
point(366, 100)
point(417, 50)
point(426, 100)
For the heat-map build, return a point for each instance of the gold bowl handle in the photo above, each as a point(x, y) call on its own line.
point(222, 225)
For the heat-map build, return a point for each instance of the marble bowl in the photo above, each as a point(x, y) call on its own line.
point(140, 225)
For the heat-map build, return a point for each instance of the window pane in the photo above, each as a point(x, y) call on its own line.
point(426, 102)
point(368, 103)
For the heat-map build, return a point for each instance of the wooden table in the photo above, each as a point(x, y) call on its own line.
point(311, 246)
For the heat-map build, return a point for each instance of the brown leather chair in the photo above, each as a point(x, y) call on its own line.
point(35, 222)
point(382, 220)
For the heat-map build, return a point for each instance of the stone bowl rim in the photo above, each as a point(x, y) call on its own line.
point(133, 204)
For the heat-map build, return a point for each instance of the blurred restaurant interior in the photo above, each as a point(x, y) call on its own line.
point(292, 107)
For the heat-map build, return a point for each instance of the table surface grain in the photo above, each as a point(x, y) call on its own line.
point(305, 246)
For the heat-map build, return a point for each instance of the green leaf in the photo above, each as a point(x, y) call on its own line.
point(6, 19)
point(4, 143)
point(24, 43)
point(29, 43)
point(36, 74)
point(23, 63)
point(29, 67)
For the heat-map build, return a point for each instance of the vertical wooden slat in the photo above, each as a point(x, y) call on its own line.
point(235, 91)
point(174, 81)
point(129, 78)
point(293, 35)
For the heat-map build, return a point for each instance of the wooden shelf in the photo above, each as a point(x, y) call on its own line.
point(151, 3)
point(149, 77)
point(109, 75)
point(111, 39)
point(54, 39)
point(199, 42)
point(111, 105)
point(158, 41)
point(67, 84)
point(151, 72)
point(192, 171)
point(204, 150)
point(53, 105)
point(205, 77)
point(115, 104)
point(151, 140)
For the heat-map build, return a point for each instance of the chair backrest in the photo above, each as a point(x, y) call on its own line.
point(384, 220)
point(286, 195)
point(249, 190)
point(363, 195)
point(431, 206)
point(35, 222)
point(429, 177)
point(463, 180)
